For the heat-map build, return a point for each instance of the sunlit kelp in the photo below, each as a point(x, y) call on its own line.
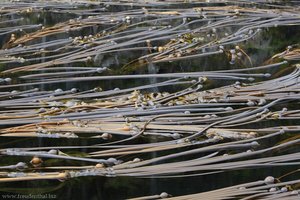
point(159, 122)
point(269, 188)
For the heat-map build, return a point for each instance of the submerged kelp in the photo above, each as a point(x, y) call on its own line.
point(127, 93)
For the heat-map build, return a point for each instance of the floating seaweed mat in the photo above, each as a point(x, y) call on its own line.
point(184, 44)
point(269, 188)
point(197, 122)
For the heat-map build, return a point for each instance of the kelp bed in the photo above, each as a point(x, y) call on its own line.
point(151, 90)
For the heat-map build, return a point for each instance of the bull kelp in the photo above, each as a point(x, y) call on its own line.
point(149, 99)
